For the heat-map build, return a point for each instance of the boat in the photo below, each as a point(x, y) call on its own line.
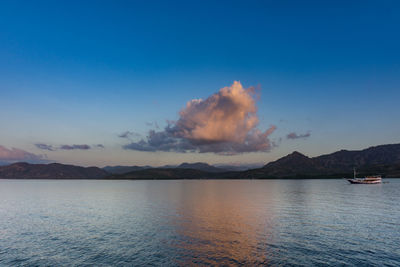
point(375, 179)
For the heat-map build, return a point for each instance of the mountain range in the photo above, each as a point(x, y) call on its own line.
point(383, 159)
point(197, 166)
point(22, 170)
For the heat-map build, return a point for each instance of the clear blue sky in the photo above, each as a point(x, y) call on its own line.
point(83, 72)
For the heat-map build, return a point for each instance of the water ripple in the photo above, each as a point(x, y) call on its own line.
point(164, 223)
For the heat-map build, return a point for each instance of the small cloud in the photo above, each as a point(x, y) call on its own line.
point(13, 155)
point(225, 123)
point(66, 147)
point(45, 147)
point(128, 134)
point(73, 147)
point(294, 135)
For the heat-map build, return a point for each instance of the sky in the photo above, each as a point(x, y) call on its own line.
point(164, 82)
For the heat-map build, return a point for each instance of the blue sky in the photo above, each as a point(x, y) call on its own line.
point(83, 72)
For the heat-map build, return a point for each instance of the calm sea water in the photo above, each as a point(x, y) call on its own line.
point(205, 222)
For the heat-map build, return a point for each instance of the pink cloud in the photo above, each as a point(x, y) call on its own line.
point(227, 116)
point(15, 155)
point(224, 123)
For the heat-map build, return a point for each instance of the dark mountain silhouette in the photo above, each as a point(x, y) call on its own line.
point(241, 167)
point(377, 155)
point(196, 166)
point(124, 169)
point(167, 173)
point(24, 170)
point(292, 165)
point(200, 166)
point(384, 160)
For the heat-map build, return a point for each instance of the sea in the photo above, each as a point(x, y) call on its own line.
point(318, 222)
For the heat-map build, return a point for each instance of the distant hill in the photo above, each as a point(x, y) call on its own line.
point(237, 168)
point(384, 160)
point(377, 155)
point(166, 173)
point(23, 170)
point(196, 166)
point(124, 169)
point(201, 166)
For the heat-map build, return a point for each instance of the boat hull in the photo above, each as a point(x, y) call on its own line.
point(359, 181)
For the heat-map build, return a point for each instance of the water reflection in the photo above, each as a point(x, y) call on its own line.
point(216, 225)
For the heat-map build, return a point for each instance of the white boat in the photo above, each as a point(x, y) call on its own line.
point(376, 179)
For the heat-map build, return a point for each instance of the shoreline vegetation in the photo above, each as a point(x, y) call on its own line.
point(383, 160)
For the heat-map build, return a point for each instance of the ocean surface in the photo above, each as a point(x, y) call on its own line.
point(199, 222)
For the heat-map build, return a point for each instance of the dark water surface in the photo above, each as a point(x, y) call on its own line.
point(205, 222)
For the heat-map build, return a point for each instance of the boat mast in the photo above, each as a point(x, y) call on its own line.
point(354, 170)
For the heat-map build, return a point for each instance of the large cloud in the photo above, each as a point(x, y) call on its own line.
point(224, 123)
point(16, 155)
